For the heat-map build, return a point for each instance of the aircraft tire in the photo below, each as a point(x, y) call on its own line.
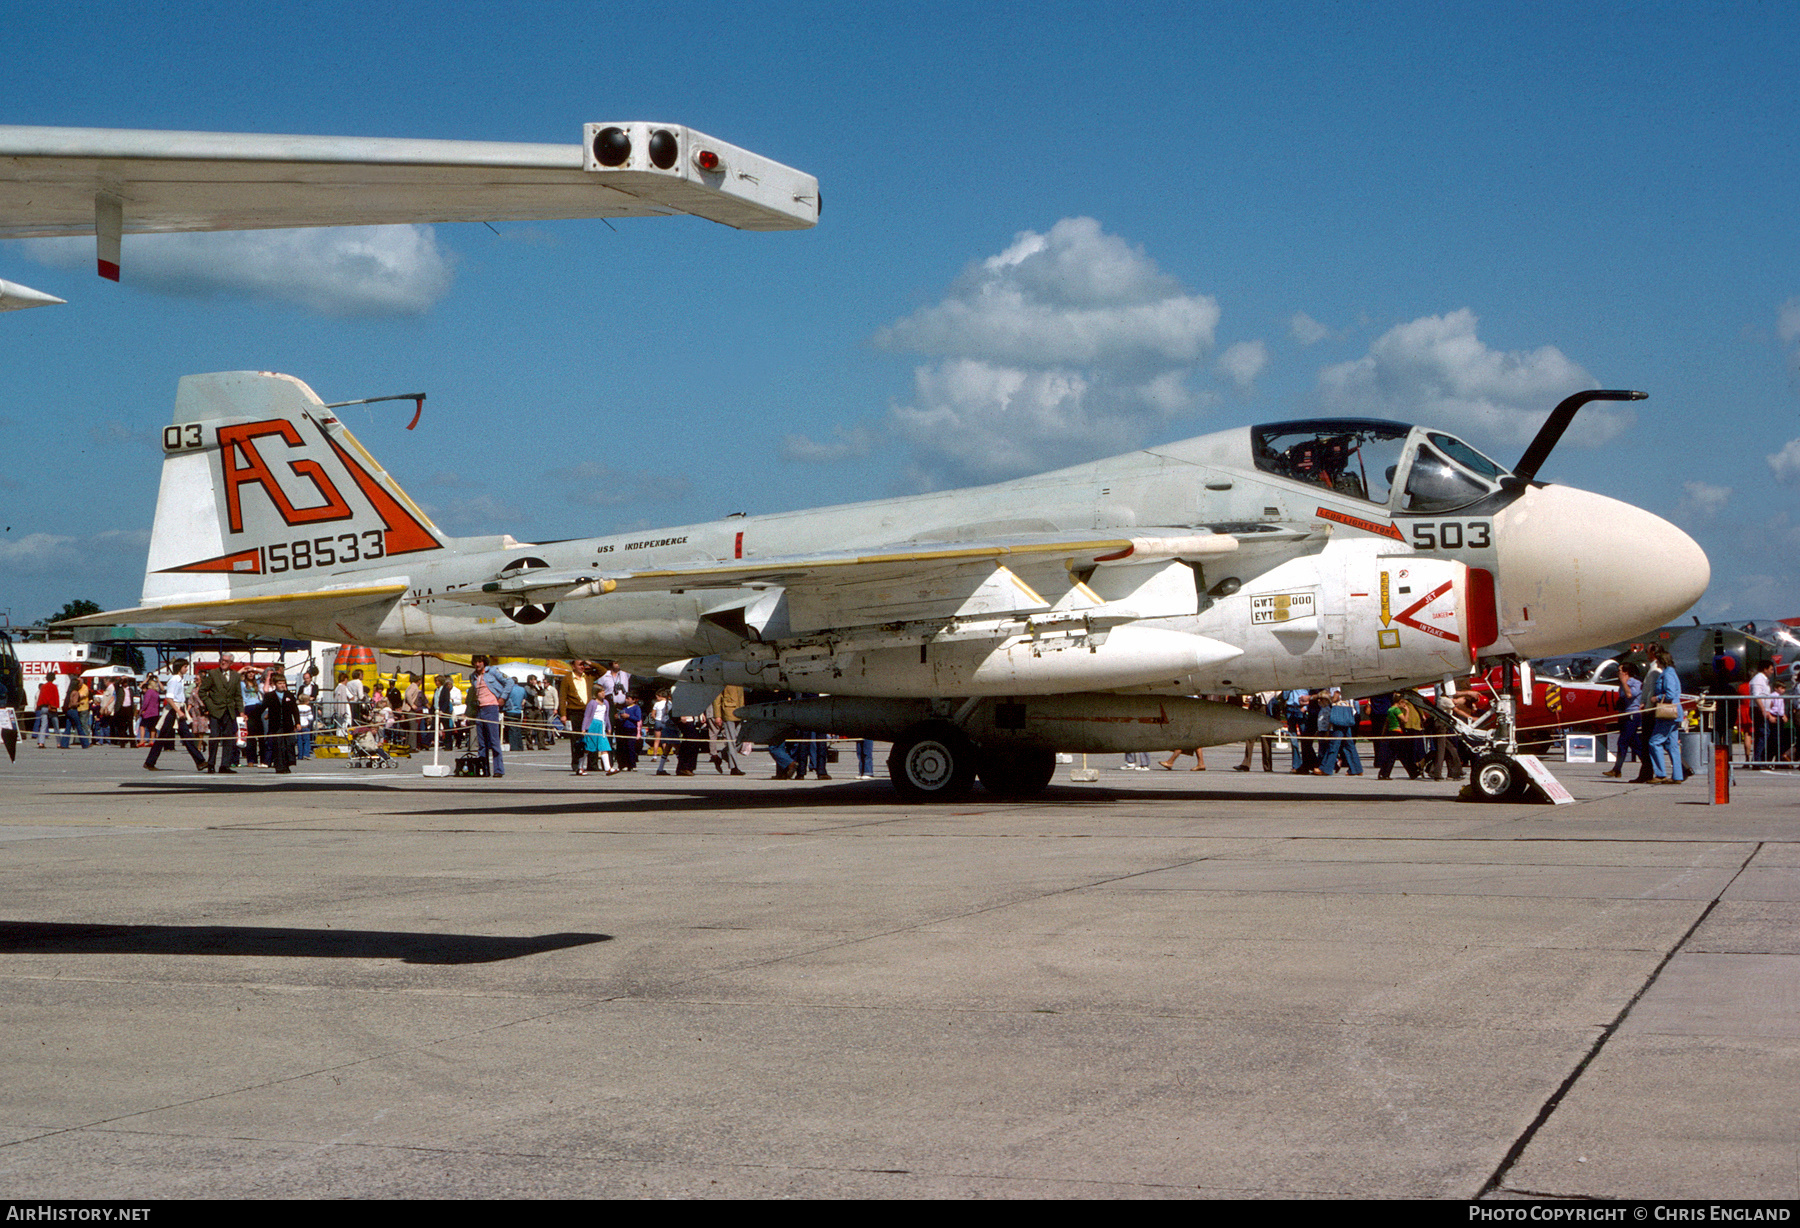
point(1016, 773)
point(933, 761)
point(1496, 778)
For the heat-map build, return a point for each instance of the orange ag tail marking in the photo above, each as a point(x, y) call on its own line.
point(243, 562)
point(404, 533)
point(240, 440)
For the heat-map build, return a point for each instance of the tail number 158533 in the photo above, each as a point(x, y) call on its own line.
point(325, 551)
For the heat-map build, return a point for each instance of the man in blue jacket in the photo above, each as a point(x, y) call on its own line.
point(514, 708)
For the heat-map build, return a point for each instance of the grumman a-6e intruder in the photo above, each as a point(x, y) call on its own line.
point(979, 630)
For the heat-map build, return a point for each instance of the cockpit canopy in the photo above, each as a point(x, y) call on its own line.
point(1409, 468)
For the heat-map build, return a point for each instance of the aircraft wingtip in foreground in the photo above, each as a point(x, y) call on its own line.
point(979, 630)
point(110, 182)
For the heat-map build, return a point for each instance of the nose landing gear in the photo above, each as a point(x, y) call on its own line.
point(1497, 773)
point(1496, 777)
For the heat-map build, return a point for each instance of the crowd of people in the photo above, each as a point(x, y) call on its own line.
point(611, 731)
point(252, 711)
point(231, 716)
point(612, 722)
point(1655, 742)
point(1323, 726)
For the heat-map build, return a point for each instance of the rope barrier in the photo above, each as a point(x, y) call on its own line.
point(422, 724)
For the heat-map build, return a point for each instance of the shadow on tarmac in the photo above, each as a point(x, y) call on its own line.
point(481, 797)
point(837, 797)
point(54, 938)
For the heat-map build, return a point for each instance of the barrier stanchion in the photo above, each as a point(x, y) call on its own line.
point(434, 768)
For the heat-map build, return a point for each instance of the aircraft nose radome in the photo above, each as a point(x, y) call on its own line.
point(1578, 570)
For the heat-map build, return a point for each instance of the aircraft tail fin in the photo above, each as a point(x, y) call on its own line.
point(264, 492)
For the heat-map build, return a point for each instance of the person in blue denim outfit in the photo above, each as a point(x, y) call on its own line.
point(1665, 736)
point(1294, 706)
point(1631, 741)
point(76, 713)
point(515, 717)
point(1343, 736)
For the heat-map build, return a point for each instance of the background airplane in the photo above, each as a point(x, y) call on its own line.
point(980, 630)
point(1711, 658)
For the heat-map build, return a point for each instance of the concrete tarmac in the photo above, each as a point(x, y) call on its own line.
point(356, 983)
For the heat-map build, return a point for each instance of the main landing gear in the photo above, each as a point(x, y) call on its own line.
point(1016, 774)
point(934, 761)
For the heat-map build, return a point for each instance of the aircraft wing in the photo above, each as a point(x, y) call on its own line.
point(1126, 578)
point(840, 567)
point(916, 560)
point(247, 609)
point(105, 182)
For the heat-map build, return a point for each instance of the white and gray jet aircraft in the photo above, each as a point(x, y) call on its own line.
point(979, 630)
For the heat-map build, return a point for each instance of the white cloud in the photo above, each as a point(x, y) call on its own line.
point(984, 420)
point(113, 433)
point(1787, 321)
point(1243, 362)
point(849, 442)
point(1755, 595)
point(1785, 464)
point(1306, 330)
point(51, 553)
point(37, 552)
point(1067, 345)
point(595, 485)
point(473, 514)
point(1787, 327)
point(1071, 297)
point(1435, 370)
point(1705, 498)
point(341, 271)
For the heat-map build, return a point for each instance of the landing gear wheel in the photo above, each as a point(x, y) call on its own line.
point(1016, 773)
point(933, 762)
point(1496, 778)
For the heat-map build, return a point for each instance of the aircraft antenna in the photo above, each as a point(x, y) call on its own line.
point(418, 398)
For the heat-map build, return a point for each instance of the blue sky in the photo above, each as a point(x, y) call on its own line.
point(1051, 231)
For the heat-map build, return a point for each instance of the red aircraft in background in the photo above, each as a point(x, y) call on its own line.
point(1581, 693)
